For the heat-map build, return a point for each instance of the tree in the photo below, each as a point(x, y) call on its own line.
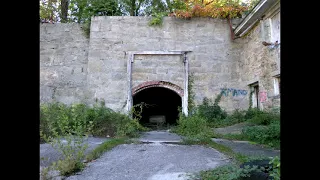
point(83, 10)
point(64, 10)
point(211, 8)
point(133, 7)
point(49, 10)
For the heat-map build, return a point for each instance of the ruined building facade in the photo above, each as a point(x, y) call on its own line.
point(124, 56)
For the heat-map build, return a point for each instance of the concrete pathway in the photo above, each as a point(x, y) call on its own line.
point(244, 147)
point(162, 136)
point(233, 129)
point(154, 159)
point(156, 156)
point(48, 154)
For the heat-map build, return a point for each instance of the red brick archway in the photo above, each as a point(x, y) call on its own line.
point(163, 84)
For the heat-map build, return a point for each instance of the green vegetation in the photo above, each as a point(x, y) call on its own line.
point(263, 126)
point(193, 128)
point(227, 172)
point(97, 120)
point(235, 172)
point(67, 127)
point(191, 93)
point(106, 146)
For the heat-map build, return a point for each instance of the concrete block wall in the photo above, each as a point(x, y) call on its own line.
point(259, 63)
point(76, 69)
point(63, 63)
point(211, 57)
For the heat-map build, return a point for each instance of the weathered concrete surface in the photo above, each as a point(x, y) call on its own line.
point(160, 137)
point(63, 63)
point(151, 161)
point(234, 129)
point(259, 63)
point(113, 38)
point(245, 148)
point(48, 154)
point(75, 69)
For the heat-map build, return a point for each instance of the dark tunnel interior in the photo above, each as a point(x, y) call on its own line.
point(160, 102)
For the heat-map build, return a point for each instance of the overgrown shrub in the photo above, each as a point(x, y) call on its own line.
point(194, 127)
point(252, 112)
point(130, 128)
point(227, 172)
point(237, 116)
point(253, 166)
point(63, 119)
point(269, 135)
point(97, 120)
point(157, 18)
point(66, 127)
point(275, 172)
point(264, 118)
point(67, 138)
point(212, 111)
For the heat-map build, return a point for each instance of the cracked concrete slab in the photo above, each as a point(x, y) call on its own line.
point(48, 154)
point(162, 136)
point(152, 161)
point(244, 147)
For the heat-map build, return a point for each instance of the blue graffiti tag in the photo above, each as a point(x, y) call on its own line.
point(235, 92)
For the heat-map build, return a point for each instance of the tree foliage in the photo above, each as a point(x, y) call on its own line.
point(77, 10)
point(49, 10)
point(211, 8)
point(83, 10)
point(133, 7)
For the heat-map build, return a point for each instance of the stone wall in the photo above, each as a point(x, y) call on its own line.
point(168, 68)
point(75, 69)
point(112, 38)
point(63, 63)
point(260, 63)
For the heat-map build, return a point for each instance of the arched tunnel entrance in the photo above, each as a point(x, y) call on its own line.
point(162, 106)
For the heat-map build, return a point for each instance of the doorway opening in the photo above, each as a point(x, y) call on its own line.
point(161, 108)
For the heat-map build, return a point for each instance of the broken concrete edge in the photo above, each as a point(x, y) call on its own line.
point(245, 142)
point(104, 147)
point(236, 141)
point(93, 155)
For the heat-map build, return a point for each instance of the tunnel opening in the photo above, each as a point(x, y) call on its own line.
point(161, 108)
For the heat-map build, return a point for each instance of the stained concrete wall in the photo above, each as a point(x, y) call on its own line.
point(82, 70)
point(211, 57)
point(63, 63)
point(168, 68)
point(259, 63)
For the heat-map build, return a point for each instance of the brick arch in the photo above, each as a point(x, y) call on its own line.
point(163, 84)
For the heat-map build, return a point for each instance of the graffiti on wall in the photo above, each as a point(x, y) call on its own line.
point(233, 92)
point(263, 96)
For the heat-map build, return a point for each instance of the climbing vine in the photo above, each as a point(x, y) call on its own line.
point(157, 19)
point(191, 94)
point(250, 99)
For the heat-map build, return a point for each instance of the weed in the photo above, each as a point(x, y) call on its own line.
point(191, 94)
point(211, 111)
point(275, 172)
point(66, 127)
point(193, 127)
point(232, 171)
point(44, 173)
point(157, 18)
point(97, 152)
point(268, 135)
point(227, 172)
